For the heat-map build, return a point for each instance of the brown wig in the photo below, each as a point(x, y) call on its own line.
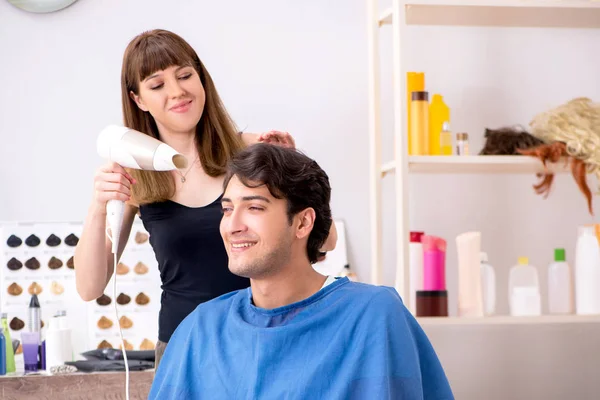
point(289, 175)
point(216, 134)
point(507, 141)
point(553, 153)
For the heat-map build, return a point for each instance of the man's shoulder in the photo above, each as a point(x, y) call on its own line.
point(210, 312)
point(382, 297)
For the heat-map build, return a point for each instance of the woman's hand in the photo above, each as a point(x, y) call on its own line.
point(111, 182)
point(278, 138)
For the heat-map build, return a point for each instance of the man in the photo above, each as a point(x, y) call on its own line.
point(294, 334)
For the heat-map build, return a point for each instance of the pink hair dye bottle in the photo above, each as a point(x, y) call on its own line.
point(432, 301)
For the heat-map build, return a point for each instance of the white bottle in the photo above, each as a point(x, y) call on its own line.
point(58, 342)
point(488, 285)
point(524, 289)
point(560, 285)
point(587, 272)
point(415, 256)
point(470, 301)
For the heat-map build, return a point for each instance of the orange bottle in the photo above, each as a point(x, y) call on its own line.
point(415, 82)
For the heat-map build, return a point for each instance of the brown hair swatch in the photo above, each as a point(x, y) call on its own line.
point(70, 263)
point(53, 240)
point(128, 346)
point(14, 289)
point(55, 263)
point(142, 299)
point(32, 263)
point(104, 345)
point(147, 345)
point(71, 240)
point(16, 324)
point(14, 265)
point(103, 300)
point(104, 323)
point(123, 299)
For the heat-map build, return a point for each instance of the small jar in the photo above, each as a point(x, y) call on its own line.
point(462, 144)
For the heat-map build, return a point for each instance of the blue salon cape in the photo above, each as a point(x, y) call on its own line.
point(347, 341)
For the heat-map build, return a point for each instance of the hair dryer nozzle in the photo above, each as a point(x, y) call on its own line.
point(133, 149)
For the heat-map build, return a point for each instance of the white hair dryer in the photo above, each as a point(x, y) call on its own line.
point(133, 149)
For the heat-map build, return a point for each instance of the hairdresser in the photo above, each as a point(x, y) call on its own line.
point(168, 94)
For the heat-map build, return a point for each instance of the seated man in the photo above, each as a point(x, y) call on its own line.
point(294, 334)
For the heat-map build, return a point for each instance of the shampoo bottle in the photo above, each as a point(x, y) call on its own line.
point(560, 285)
point(415, 257)
point(587, 272)
point(439, 113)
point(10, 353)
point(524, 289)
point(470, 299)
point(415, 81)
point(488, 285)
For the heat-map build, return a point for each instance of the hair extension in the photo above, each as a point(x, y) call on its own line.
point(553, 153)
point(507, 141)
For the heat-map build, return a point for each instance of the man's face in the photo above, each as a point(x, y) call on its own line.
point(256, 230)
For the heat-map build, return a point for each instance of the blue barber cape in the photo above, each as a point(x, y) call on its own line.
point(347, 341)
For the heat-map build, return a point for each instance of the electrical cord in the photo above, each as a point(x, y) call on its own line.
point(124, 351)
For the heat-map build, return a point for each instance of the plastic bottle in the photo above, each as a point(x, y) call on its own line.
point(470, 299)
point(439, 113)
point(524, 289)
point(415, 81)
point(488, 285)
point(446, 140)
point(587, 272)
point(58, 342)
point(415, 257)
point(2, 354)
point(419, 110)
point(560, 285)
point(434, 263)
point(10, 354)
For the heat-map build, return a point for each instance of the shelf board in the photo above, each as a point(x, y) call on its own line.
point(509, 320)
point(501, 13)
point(481, 165)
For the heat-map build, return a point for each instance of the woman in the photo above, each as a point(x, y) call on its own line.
point(167, 93)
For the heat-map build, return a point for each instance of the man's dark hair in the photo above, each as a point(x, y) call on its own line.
point(289, 175)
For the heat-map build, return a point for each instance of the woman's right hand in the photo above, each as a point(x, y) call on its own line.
point(111, 182)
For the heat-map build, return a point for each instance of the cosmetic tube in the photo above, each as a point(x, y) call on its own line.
point(470, 296)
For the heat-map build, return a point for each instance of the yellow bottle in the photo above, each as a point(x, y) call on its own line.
point(419, 122)
point(415, 82)
point(438, 114)
point(446, 140)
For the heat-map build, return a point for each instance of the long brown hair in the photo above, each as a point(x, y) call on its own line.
point(217, 139)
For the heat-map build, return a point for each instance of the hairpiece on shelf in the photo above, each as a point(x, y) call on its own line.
point(570, 131)
point(507, 141)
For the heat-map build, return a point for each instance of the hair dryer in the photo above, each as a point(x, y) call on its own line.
point(133, 149)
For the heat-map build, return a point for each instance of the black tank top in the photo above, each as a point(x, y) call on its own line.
point(191, 258)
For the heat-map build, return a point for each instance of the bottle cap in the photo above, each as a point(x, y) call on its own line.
point(415, 237)
point(523, 260)
point(419, 96)
point(559, 255)
point(483, 257)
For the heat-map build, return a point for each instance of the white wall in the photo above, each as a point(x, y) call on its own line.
point(302, 67)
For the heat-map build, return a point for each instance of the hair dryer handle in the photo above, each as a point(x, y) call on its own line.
point(115, 209)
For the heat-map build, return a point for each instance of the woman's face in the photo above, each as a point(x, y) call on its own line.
point(174, 97)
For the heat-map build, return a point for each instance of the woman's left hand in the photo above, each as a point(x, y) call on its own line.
point(283, 139)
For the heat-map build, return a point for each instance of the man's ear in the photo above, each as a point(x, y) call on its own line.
point(138, 100)
point(305, 222)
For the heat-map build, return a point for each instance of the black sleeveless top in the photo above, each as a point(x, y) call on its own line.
point(191, 258)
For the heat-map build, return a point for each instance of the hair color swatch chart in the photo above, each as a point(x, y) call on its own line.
point(37, 258)
point(137, 299)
